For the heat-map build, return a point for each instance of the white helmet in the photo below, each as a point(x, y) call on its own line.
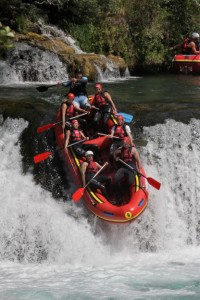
point(195, 35)
point(87, 153)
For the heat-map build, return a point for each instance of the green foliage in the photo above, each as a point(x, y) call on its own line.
point(6, 37)
point(85, 35)
point(141, 31)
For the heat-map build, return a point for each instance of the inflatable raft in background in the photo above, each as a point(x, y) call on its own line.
point(186, 64)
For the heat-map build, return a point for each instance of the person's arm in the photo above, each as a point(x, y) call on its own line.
point(84, 79)
point(137, 157)
point(98, 165)
point(78, 109)
point(116, 154)
point(83, 136)
point(112, 132)
point(128, 131)
point(64, 107)
point(67, 138)
point(176, 46)
point(193, 47)
point(83, 170)
point(108, 97)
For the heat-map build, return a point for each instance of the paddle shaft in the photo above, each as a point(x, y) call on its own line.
point(44, 88)
point(96, 174)
point(49, 126)
point(79, 192)
point(42, 156)
point(76, 143)
point(111, 137)
point(150, 180)
point(133, 169)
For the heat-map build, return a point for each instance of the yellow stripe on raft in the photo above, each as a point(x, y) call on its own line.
point(120, 221)
point(188, 60)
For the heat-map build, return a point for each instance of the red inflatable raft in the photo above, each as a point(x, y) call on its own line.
point(135, 199)
point(186, 64)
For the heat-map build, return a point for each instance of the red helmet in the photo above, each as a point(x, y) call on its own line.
point(98, 86)
point(70, 96)
point(74, 121)
point(119, 117)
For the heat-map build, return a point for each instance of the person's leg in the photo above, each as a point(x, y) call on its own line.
point(80, 152)
point(116, 144)
point(105, 180)
point(76, 101)
point(84, 102)
point(96, 120)
point(106, 116)
point(118, 184)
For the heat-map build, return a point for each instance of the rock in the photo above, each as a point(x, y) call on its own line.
point(69, 55)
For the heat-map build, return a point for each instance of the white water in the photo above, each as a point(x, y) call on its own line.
point(50, 250)
point(26, 63)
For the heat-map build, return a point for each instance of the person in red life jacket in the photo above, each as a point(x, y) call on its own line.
point(189, 45)
point(120, 131)
point(68, 110)
point(129, 155)
point(104, 105)
point(74, 135)
point(77, 86)
point(193, 45)
point(88, 170)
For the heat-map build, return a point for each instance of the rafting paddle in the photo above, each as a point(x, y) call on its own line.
point(48, 126)
point(127, 118)
point(44, 88)
point(150, 180)
point(79, 192)
point(42, 156)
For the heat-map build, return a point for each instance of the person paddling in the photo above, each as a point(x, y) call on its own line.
point(130, 156)
point(77, 86)
point(88, 170)
point(104, 105)
point(68, 110)
point(120, 130)
point(76, 135)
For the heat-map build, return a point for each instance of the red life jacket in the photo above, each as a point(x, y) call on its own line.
point(120, 131)
point(70, 111)
point(185, 48)
point(92, 167)
point(100, 99)
point(75, 135)
point(126, 155)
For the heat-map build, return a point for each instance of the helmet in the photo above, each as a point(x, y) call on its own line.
point(74, 121)
point(99, 86)
point(87, 153)
point(195, 35)
point(126, 139)
point(79, 70)
point(119, 117)
point(70, 96)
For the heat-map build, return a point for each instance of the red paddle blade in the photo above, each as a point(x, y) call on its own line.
point(44, 128)
point(154, 183)
point(78, 194)
point(39, 157)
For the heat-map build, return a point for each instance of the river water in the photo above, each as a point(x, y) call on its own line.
point(52, 248)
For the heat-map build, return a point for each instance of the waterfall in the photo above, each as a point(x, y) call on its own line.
point(51, 31)
point(30, 64)
point(27, 63)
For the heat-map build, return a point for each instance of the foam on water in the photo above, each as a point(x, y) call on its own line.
point(50, 250)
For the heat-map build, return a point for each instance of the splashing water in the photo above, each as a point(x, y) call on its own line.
point(58, 256)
